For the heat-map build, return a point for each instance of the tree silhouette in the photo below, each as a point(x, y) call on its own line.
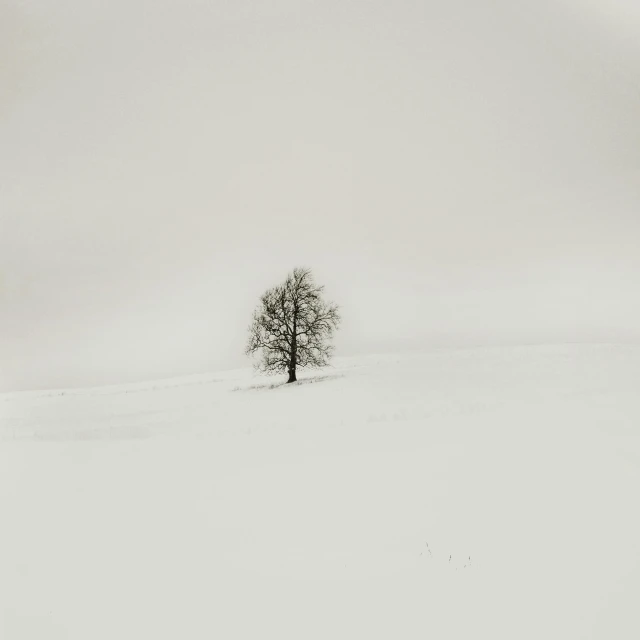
point(293, 325)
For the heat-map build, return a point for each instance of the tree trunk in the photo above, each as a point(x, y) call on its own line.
point(294, 347)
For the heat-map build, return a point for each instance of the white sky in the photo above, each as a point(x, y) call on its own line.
point(453, 171)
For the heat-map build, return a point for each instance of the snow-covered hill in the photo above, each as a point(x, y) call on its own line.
point(477, 493)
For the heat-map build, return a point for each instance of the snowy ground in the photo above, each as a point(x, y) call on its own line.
point(487, 493)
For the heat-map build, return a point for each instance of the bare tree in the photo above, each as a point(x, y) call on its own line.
point(292, 327)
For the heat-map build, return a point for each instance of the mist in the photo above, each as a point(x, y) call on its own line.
point(453, 172)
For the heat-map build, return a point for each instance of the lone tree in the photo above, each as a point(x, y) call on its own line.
point(292, 326)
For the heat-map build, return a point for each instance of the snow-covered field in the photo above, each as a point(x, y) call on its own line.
point(478, 493)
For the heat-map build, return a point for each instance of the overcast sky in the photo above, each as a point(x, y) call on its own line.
point(454, 171)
